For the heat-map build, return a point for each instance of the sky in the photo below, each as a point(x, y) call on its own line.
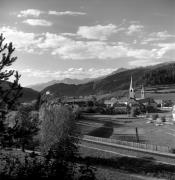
point(57, 39)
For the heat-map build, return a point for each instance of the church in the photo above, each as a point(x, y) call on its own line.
point(142, 100)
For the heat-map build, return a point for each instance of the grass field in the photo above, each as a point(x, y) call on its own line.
point(125, 129)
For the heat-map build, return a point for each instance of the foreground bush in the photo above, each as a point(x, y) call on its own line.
point(27, 166)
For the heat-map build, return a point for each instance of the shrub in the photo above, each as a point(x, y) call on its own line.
point(26, 127)
point(163, 119)
point(134, 111)
point(155, 116)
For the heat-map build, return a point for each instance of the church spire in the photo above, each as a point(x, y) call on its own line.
point(142, 93)
point(131, 83)
point(131, 90)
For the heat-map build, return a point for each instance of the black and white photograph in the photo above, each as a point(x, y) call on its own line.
point(87, 89)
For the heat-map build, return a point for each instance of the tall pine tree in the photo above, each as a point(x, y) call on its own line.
point(9, 91)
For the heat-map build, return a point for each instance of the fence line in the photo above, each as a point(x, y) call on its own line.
point(164, 149)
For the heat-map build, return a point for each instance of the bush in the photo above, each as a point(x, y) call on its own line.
point(150, 109)
point(147, 115)
point(163, 119)
point(172, 150)
point(120, 110)
point(134, 111)
point(155, 116)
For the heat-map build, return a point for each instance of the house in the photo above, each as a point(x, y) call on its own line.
point(111, 102)
point(148, 102)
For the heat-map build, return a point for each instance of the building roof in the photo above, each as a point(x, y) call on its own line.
point(146, 100)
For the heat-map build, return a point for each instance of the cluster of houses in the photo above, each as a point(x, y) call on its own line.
point(132, 100)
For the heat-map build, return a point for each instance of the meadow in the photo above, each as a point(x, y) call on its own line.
point(121, 128)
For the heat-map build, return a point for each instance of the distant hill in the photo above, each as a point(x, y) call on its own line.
point(41, 86)
point(28, 94)
point(118, 81)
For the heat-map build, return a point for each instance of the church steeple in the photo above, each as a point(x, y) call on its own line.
point(142, 93)
point(131, 90)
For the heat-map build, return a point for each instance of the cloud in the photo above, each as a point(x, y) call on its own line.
point(80, 50)
point(78, 73)
point(68, 48)
point(71, 13)
point(30, 12)
point(134, 28)
point(53, 41)
point(97, 32)
point(37, 22)
point(36, 13)
point(157, 36)
point(143, 62)
point(22, 41)
point(155, 56)
point(164, 48)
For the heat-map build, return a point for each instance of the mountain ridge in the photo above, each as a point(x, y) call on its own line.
point(41, 86)
point(116, 81)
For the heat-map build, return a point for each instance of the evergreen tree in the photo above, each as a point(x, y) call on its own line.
point(9, 91)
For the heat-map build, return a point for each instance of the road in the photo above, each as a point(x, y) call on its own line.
point(120, 150)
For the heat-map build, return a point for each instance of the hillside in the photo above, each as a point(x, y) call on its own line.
point(119, 81)
point(28, 94)
point(41, 86)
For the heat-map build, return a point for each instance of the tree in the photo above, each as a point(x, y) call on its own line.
point(9, 91)
point(58, 137)
point(58, 128)
point(134, 111)
point(26, 127)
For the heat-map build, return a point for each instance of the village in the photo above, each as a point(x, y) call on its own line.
point(132, 119)
point(130, 106)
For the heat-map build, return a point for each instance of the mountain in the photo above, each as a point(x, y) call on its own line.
point(118, 81)
point(41, 86)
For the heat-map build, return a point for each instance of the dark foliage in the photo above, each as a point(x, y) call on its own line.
point(144, 166)
point(26, 127)
point(161, 75)
point(9, 92)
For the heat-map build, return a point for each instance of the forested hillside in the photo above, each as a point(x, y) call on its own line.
point(161, 74)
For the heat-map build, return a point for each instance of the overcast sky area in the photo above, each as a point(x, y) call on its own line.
point(57, 39)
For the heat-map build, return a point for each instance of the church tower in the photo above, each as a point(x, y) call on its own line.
point(142, 93)
point(131, 91)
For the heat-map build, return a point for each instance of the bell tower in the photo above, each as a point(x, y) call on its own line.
point(131, 91)
point(142, 93)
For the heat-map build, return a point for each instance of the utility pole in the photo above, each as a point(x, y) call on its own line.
point(137, 135)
